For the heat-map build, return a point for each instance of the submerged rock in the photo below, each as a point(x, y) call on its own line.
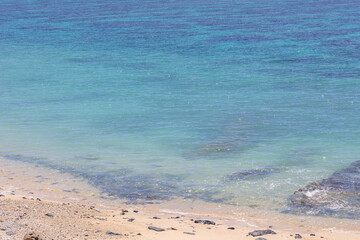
point(250, 173)
point(338, 195)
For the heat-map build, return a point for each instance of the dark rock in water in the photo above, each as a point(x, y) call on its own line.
point(156, 229)
point(338, 195)
point(258, 233)
point(112, 233)
point(248, 174)
point(205, 222)
point(298, 236)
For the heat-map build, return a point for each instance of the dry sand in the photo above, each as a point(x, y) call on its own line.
point(58, 206)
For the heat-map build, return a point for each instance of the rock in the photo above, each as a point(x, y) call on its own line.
point(249, 174)
point(2, 195)
point(337, 195)
point(131, 220)
point(231, 228)
point(156, 218)
point(10, 233)
point(135, 211)
point(33, 236)
point(258, 233)
point(112, 233)
point(260, 239)
point(49, 215)
point(298, 236)
point(189, 233)
point(157, 229)
point(312, 235)
point(205, 222)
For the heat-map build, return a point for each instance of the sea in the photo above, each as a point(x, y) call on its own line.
point(236, 102)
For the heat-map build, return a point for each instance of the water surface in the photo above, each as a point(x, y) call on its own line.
point(153, 100)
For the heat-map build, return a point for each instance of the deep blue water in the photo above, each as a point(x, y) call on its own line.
point(161, 99)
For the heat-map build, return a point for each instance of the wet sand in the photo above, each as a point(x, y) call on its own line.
point(56, 205)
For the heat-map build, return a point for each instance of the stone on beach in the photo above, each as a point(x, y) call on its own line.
point(205, 222)
point(258, 233)
point(112, 233)
point(33, 236)
point(157, 229)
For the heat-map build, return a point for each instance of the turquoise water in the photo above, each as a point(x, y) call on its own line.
point(153, 100)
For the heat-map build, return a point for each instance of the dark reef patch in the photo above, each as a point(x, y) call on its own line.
point(250, 174)
point(337, 195)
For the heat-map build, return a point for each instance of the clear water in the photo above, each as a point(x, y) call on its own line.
point(160, 99)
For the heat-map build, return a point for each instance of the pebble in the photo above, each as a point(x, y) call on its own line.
point(131, 219)
point(33, 236)
point(260, 239)
point(258, 233)
point(112, 233)
point(312, 234)
point(156, 229)
point(135, 211)
point(156, 218)
point(231, 228)
point(205, 222)
point(189, 233)
point(10, 233)
point(49, 215)
point(298, 236)
point(2, 195)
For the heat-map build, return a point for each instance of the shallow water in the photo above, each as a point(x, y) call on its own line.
point(159, 99)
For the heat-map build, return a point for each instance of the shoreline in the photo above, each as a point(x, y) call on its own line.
point(60, 206)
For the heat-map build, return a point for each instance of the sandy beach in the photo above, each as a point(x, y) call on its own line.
point(42, 203)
